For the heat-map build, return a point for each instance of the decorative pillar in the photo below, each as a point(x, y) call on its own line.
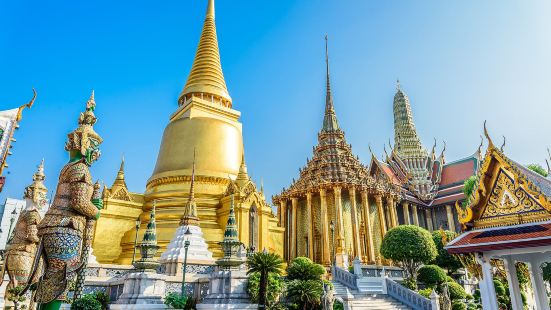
point(368, 232)
point(325, 250)
point(294, 203)
point(512, 280)
point(451, 221)
point(538, 286)
point(428, 216)
point(340, 224)
point(357, 248)
point(405, 207)
point(415, 216)
point(310, 221)
point(382, 221)
point(388, 215)
point(392, 211)
point(283, 223)
point(487, 289)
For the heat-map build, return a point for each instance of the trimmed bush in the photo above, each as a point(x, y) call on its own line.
point(425, 293)
point(410, 245)
point(87, 302)
point(500, 288)
point(275, 286)
point(445, 259)
point(303, 268)
point(431, 275)
point(459, 305)
point(456, 291)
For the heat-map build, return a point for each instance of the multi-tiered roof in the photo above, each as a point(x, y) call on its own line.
point(333, 162)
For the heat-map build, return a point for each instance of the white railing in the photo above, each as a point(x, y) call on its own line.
point(344, 277)
point(407, 296)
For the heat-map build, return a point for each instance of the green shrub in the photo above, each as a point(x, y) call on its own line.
point(445, 259)
point(459, 305)
point(425, 293)
point(469, 297)
point(524, 298)
point(275, 286)
point(175, 300)
point(456, 291)
point(410, 283)
point(337, 305)
point(500, 288)
point(302, 268)
point(103, 299)
point(449, 279)
point(546, 268)
point(306, 293)
point(87, 302)
point(431, 275)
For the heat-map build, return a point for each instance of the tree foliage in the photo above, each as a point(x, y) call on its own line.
point(306, 293)
point(410, 245)
point(431, 275)
point(87, 302)
point(547, 272)
point(175, 300)
point(274, 289)
point(444, 259)
point(14, 295)
point(456, 291)
point(264, 263)
point(538, 169)
point(302, 268)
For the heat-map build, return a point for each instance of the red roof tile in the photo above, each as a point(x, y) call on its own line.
point(457, 172)
point(509, 237)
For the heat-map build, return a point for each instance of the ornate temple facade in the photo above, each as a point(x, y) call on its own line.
point(408, 186)
point(205, 123)
point(335, 204)
point(508, 219)
point(429, 185)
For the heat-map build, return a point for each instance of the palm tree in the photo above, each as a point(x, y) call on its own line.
point(306, 292)
point(264, 263)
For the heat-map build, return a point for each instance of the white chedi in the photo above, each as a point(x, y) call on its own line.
point(198, 251)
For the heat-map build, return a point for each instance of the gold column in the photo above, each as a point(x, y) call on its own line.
point(340, 249)
point(382, 221)
point(415, 217)
point(294, 203)
point(388, 215)
point(428, 216)
point(325, 250)
point(392, 211)
point(451, 221)
point(310, 221)
point(405, 206)
point(368, 231)
point(283, 223)
point(355, 224)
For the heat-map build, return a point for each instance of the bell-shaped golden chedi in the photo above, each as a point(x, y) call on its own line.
point(206, 124)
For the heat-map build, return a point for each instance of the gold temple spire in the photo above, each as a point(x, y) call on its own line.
point(330, 122)
point(242, 176)
point(190, 212)
point(120, 180)
point(206, 77)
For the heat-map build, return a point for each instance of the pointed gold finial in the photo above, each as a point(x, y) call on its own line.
point(480, 146)
point(119, 180)
point(206, 77)
point(190, 211)
point(490, 143)
point(26, 105)
point(503, 145)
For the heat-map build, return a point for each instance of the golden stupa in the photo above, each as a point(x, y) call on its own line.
point(205, 123)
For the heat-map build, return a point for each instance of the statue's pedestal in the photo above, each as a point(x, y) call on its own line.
point(341, 260)
point(142, 290)
point(228, 290)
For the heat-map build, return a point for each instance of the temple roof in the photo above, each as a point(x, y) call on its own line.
point(506, 194)
point(333, 162)
point(500, 238)
point(206, 75)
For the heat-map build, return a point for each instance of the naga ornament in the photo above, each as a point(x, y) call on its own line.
point(65, 229)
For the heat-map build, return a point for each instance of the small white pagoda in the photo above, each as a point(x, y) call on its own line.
point(198, 253)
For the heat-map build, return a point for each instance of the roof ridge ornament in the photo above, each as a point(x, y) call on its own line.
point(490, 143)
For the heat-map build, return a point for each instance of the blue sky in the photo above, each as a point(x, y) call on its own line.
point(460, 62)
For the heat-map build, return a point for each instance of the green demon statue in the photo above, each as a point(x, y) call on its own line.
point(67, 226)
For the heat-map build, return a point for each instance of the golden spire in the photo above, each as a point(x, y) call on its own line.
point(119, 180)
point(37, 190)
point(330, 122)
point(206, 75)
point(190, 212)
point(242, 176)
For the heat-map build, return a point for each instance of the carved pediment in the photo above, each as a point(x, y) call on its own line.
point(121, 194)
point(509, 198)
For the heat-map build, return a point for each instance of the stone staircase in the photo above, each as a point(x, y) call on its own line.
point(354, 300)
